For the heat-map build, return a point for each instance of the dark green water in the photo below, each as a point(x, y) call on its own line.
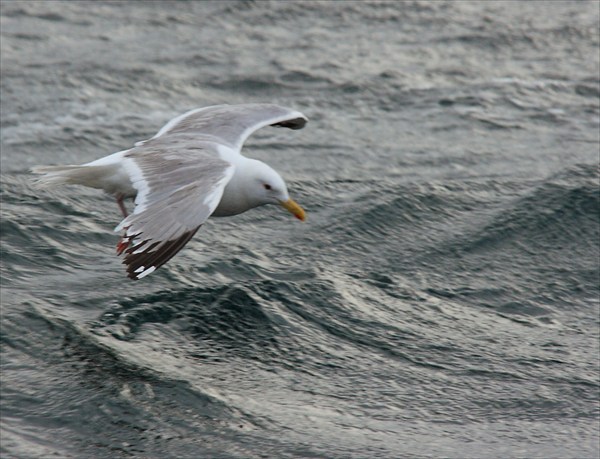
point(442, 299)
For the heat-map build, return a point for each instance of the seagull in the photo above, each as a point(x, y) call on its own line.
point(192, 169)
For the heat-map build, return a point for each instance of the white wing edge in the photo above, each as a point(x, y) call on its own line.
point(173, 122)
point(291, 115)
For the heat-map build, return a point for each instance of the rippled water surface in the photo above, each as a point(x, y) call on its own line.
point(440, 301)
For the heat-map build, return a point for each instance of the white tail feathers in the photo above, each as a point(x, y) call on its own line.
point(92, 176)
point(58, 175)
point(108, 177)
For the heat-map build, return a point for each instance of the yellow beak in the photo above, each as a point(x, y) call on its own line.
point(294, 208)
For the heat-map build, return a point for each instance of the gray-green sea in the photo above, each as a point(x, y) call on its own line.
point(440, 301)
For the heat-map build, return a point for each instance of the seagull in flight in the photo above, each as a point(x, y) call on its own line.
point(190, 170)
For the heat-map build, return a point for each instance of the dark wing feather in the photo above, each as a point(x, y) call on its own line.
point(137, 262)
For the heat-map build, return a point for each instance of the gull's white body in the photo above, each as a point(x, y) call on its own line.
point(190, 170)
point(239, 195)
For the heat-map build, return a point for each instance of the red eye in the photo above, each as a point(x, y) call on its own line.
point(267, 186)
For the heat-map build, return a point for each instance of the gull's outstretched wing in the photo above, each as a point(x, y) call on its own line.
point(179, 182)
point(180, 174)
point(231, 125)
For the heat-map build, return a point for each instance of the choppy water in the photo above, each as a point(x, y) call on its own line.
point(440, 301)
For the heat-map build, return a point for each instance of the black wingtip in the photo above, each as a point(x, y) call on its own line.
point(141, 264)
point(296, 123)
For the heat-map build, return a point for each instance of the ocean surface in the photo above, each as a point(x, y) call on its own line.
point(440, 301)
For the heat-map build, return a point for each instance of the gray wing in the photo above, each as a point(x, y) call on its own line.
point(179, 183)
point(231, 124)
